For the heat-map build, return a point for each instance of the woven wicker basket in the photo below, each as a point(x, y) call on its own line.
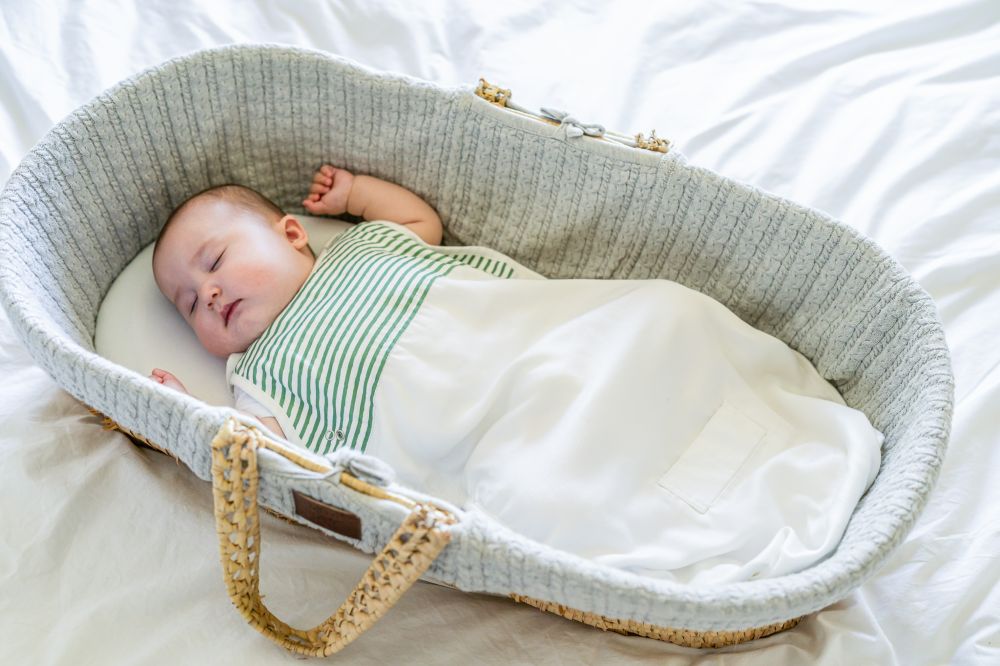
point(407, 555)
point(561, 196)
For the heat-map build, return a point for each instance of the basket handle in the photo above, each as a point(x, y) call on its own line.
point(409, 552)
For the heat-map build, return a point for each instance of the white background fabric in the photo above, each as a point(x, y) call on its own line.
point(882, 114)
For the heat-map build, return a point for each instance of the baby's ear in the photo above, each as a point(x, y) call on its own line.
point(293, 231)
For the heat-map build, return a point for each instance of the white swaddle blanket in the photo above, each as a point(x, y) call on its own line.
point(637, 423)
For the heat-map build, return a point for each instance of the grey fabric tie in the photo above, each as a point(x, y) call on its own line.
point(367, 468)
point(574, 127)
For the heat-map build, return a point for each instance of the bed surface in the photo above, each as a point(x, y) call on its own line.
point(887, 121)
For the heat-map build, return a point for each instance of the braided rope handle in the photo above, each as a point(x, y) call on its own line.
point(318, 643)
point(410, 551)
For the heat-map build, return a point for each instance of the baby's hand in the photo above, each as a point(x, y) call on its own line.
point(167, 379)
point(330, 190)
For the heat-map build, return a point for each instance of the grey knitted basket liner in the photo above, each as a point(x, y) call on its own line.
point(96, 188)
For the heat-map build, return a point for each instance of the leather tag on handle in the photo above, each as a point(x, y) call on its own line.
point(330, 517)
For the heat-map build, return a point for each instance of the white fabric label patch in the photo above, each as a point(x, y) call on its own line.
point(705, 469)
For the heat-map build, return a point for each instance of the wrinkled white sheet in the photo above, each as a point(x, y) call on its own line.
point(885, 118)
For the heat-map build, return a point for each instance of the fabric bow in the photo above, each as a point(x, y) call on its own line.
point(574, 127)
point(364, 467)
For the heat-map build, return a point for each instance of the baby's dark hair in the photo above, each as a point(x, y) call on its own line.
point(239, 195)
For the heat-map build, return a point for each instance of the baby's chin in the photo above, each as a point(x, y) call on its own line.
point(244, 329)
point(226, 347)
point(224, 351)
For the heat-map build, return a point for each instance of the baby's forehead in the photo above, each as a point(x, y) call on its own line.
point(208, 206)
point(185, 230)
point(188, 226)
point(210, 215)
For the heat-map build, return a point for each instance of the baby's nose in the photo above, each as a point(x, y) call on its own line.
point(213, 294)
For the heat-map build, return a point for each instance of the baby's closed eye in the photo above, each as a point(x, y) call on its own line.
point(212, 269)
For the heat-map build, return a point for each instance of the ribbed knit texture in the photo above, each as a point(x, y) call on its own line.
point(97, 188)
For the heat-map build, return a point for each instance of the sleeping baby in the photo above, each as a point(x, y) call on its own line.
point(230, 260)
point(636, 423)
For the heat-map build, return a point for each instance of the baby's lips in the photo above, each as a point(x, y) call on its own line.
point(227, 311)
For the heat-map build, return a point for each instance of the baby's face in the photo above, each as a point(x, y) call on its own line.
point(230, 271)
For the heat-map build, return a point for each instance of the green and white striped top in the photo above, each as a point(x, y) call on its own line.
point(320, 361)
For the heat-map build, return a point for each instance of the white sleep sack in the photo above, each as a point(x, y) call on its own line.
point(637, 423)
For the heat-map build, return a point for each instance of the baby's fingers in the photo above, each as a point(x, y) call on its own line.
point(162, 375)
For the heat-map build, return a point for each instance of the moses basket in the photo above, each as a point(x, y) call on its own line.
point(564, 198)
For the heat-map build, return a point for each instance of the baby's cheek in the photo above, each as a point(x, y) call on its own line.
point(258, 278)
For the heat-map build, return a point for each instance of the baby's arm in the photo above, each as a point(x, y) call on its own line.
point(335, 191)
point(168, 380)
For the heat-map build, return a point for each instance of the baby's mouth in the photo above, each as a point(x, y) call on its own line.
point(227, 312)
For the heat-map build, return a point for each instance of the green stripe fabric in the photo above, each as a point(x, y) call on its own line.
point(491, 266)
point(320, 361)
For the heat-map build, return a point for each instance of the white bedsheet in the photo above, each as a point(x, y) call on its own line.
point(887, 119)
